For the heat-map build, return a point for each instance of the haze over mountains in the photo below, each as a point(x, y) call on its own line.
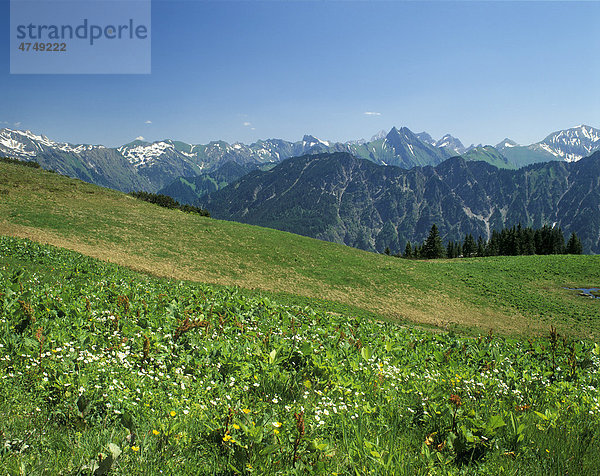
point(141, 165)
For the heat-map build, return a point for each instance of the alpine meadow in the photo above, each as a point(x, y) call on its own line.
point(299, 238)
point(293, 356)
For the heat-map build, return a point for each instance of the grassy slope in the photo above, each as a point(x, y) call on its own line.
point(92, 354)
point(510, 295)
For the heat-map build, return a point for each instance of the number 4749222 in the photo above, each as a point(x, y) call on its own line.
point(43, 47)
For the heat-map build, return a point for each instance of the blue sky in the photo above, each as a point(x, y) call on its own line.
point(242, 71)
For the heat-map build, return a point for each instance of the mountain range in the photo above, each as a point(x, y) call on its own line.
point(341, 198)
point(141, 165)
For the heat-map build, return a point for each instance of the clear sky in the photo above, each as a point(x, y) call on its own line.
point(339, 70)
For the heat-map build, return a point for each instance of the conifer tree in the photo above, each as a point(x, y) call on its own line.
point(433, 247)
point(528, 241)
point(493, 246)
point(450, 250)
point(574, 246)
point(480, 246)
point(469, 247)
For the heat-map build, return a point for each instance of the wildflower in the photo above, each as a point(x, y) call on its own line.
point(173, 413)
point(276, 431)
point(455, 400)
point(135, 448)
point(277, 424)
point(155, 432)
point(236, 426)
point(246, 410)
point(227, 438)
point(430, 438)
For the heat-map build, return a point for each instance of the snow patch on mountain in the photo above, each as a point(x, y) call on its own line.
point(572, 144)
point(506, 143)
point(26, 144)
point(450, 142)
point(311, 141)
point(15, 147)
point(143, 155)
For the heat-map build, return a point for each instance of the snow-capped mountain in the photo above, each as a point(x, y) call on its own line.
point(141, 165)
point(571, 144)
point(92, 163)
point(506, 144)
point(150, 165)
point(144, 154)
point(451, 143)
point(26, 144)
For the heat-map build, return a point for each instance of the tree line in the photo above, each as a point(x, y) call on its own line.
point(513, 241)
point(168, 202)
point(26, 163)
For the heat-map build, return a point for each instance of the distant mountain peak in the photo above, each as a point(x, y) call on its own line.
point(407, 132)
point(380, 135)
point(571, 144)
point(452, 143)
point(152, 165)
point(425, 137)
point(311, 141)
point(506, 143)
point(395, 135)
point(404, 133)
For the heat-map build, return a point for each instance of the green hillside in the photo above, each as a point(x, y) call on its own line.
point(108, 371)
point(510, 295)
point(523, 156)
point(490, 155)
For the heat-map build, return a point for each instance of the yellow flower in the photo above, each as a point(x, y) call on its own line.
point(236, 426)
point(227, 438)
point(155, 432)
point(135, 448)
point(276, 432)
point(277, 424)
point(173, 413)
point(246, 411)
